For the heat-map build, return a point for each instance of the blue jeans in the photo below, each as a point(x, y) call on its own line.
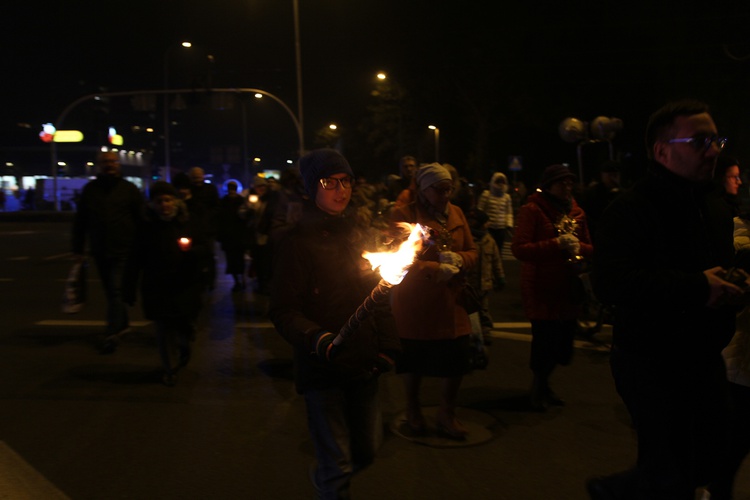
point(111, 272)
point(346, 426)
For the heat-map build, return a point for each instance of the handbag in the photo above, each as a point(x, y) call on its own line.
point(74, 292)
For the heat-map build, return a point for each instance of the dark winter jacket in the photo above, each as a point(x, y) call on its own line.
point(320, 279)
point(109, 211)
point(654, 243)
point(170, 277)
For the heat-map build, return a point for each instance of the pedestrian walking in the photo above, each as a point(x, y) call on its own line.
point(319, 280)
point(105, 224)
point(166, 263)
point(552, 242)
point(498, 205)
point(434, 328)
point(662, 249)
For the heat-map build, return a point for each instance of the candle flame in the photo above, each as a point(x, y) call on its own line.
point(393, 266)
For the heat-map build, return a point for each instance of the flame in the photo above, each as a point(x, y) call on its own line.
point(393, 266)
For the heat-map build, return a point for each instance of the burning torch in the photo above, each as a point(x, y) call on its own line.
point(393, 267)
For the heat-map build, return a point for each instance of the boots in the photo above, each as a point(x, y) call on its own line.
point(541, 395)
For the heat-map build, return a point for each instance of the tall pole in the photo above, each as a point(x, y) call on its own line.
point(437, 141)
point(300, 120)
point(437, 144)
point(245, 153)
point(167, 163)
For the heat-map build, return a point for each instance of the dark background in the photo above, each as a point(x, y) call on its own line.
point(497, 79)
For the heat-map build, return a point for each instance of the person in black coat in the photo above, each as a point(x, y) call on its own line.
point(167, 264)
point(233, 234)
point(108, 214)
point(320, 279)
point(662, 250)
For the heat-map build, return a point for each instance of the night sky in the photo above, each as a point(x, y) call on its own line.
point(497, 82)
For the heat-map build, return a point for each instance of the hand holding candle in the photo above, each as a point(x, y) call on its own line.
point(185, 244)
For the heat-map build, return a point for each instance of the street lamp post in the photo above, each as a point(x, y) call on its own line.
point(298, 56)
point(391, 97)
point(167, 161)
point(602, 128)
point(437, 141)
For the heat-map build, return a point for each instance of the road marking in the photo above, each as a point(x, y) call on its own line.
point(268, 324)
point(18, 479)
point(496, 332)
point(84, 322)
point(58, 256)
point(23, 257)
point(255, 324)
point(525, 324)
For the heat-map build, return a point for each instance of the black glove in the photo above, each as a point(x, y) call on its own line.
point(383, 363)
point(323, 345)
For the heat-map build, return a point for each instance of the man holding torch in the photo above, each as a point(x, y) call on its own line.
point(320, 279)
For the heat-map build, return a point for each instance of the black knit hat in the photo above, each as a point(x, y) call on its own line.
point(159, 188)
point(555, 173)
point(319, 164)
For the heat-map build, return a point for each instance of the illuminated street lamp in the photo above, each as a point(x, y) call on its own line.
point(437, 141)
point(167, 162)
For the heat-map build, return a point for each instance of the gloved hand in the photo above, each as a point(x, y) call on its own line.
point(383, 363)
point(323, 345)
point(445, 272)
point(569, 243)
point(499, 283)
point(451, 258)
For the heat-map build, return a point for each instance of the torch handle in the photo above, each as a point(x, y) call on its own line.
point(377, 296)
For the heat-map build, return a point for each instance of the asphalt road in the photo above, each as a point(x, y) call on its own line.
point(76, 424)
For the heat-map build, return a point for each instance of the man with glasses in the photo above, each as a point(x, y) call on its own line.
point(319, 280)
point(661, 252)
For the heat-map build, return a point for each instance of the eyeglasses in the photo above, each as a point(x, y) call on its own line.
point(702, 142)
point(442, 190)
point(330, 183)
point(734, 178)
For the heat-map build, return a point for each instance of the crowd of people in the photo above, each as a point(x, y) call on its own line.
point(664, 254)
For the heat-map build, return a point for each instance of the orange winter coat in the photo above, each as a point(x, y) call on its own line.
point(423, 308)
